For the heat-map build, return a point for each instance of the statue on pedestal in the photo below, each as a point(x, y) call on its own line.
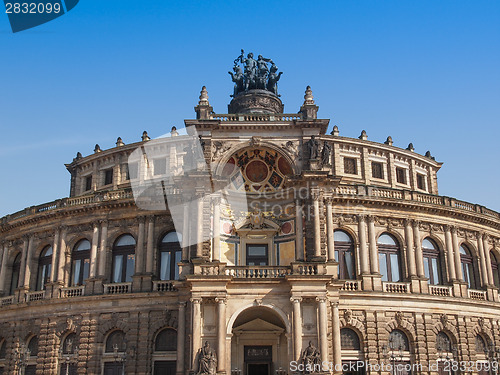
point(207, 361)
point(325, 153)
point(311, 359)
point(312, 148)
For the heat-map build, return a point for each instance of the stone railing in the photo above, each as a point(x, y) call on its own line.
point(164, 286)
point(400, 288)
point(440, 290)
point(361, 191)
point(257, 272)
point(210, 269)
point(256, 117)
point(34, 296)
point(6, 301)
point(72, 291)
point(477, 294)
point(117, 288)
point(351, 285)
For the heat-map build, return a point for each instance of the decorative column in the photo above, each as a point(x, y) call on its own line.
point(185, 232)
point(103, 249)
point(216, 232)
point(181, 337)
point(410, 251)
point(62, 256)
point(139, 256)
point(418, 250)
point(196, 324)
point(3, 269)
point(93, 251)
point(199, 225)
point(373, 246)
point(299, 237)
point(363, 248)
point(297, 328)
point(456, 251)
point(24, 257)
point(329, 230)
point(449, 254)
point(150, 246)
point(317, 225)
point(482, 259)
point(323, 329)
point(55, 255)
point(489, 270)
point(337, 350)
point(30, 267)
point(221, 334)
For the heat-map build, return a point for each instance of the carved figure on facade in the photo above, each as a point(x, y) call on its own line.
point(312, 148)
point(256, 74)
point(325, 153)
point(311, 359)
point(207, 360)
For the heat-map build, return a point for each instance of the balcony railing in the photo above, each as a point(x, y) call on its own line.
point(440, 290)
point(257, 272)
point(72, 291)
point(6, 301)
point(117, 288)
point(477, 294)
point(400, 288)
point(164, 286)
point(35, 296)
point(351, 285)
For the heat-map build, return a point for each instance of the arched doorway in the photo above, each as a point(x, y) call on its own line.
point(259, 344)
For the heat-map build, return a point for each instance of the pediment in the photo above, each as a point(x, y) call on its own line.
point(258, 325)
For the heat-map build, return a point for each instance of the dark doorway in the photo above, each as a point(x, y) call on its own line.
point(164, 368)
point(113, 368)
point(258, 369)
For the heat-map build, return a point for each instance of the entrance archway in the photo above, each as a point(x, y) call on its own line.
point(259, 343)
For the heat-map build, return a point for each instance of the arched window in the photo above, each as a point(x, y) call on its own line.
point(170, 256)
point(3, 349)
point(344, 253)
point(80, 263)
point(389, 258)
point(443, 343)
point(495, 269)
point(16, 268)
point(33, 346)
point(44, 268)
point(123, 259)
point(432, 261)
point(70, 344)
point(349, 340)
point(116, 342)
point(481, 347)
point(166, 340)
point(468, 268)
point(399, 341)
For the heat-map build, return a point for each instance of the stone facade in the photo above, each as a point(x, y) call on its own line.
point(346, 244)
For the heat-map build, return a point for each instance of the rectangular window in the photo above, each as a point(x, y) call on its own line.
point(257, 255)
point(350, 166)
point(401, 175)
point(88, 183)
point(421, 181)
point(108, 176)
point(377, 170)
point(159, 166)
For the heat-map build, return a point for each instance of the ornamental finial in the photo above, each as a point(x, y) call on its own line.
point(308, 97)
point(203, 97)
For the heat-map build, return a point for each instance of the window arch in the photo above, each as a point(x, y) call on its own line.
point(3, 349)
point(495, 268)
point(166, 340)
point(14, 279)
point(432, 261)
point(468, 268)
point(481, 347)
point(33, 346)
point(443, 342)
point(80, 264)
point(44, 268)
point(349, 339)
point(344, 254)
point(116, 342)
point(389, 253)
point(170, 256)
point(123, 259)
point(399, 341)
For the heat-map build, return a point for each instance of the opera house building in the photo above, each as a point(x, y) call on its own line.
point(251, 243)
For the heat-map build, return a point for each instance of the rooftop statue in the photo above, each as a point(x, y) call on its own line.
point(256, 74)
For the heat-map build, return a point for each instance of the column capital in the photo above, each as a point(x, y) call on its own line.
point(328, 201)
point(221, 300)
point(296, 299)
point(416, 223)
point(95, 224)
point(370, 218)
point(103, 222)
point(361, 218)
point(151, 218)
point(335, 304)
point(321, 299)
point(181, 304)
point(408, 222)
point(315, 195)
point(196, 300)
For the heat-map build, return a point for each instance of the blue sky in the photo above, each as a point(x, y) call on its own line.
point(426, 72)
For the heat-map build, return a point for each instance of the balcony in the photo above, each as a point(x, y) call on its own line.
point(164, 286)
point(398, 288)
point(441, 290)
point(117, 288)
point(35, 296)
point(479, 295)
point(258, 272)
point(74, 291)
